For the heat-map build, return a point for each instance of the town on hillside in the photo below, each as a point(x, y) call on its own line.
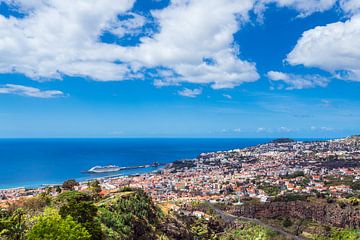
point(261, 172)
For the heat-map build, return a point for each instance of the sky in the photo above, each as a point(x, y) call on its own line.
point(179, 68)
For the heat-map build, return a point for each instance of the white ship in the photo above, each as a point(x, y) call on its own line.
point(104, 169)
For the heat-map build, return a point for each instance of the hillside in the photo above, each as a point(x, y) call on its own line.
point(127, 214)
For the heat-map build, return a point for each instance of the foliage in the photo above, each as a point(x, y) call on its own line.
point(287, 223)
point(37, 204)
point(13, 226)
point(341, 234)
point(180, 164)
point(50, 226)
point(94, 187)
point(290, 198)
point(80, 207)
point(344, 180)
point(132, 216)
point(200, 230)
point(355, 185)
point(58, 189)
point(270, 190)
point(295, 175)
point(70, 184)
point(250, 232)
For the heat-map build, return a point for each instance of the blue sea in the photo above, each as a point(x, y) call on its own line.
point(33, 162)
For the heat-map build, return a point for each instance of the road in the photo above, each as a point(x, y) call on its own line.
point(230, 218)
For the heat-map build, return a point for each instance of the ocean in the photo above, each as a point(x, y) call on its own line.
point(33, 162)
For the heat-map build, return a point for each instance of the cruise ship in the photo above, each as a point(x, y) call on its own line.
point(104, 169)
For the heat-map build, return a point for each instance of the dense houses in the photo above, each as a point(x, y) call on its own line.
point(259, 172)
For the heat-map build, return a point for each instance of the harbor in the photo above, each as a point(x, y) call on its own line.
point(114, 168)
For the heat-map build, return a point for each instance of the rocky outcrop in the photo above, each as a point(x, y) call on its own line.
point(333, 214)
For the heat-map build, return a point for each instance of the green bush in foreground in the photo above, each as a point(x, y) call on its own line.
point(50, 226)
point(13, 226)
point(83, 210)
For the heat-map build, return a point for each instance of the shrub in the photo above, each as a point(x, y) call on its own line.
point(50, 226)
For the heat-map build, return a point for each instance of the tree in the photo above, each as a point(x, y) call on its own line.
point(14, 226)
point(287, 223)
point(58, 189)
point(81, 208)
point(130, 216)
point(94, 187)
point(50, 226)
point(70, 184)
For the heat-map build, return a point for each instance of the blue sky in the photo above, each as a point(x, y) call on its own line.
point(205, 68)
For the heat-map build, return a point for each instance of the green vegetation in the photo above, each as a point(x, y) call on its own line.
point(70, 184)
point(73, 215)
point(200, 230)
point(341, 234)
point(291, 197)
point(12, 225)
point(180, 164)
point(52, 226)
point(295, 175)
point(130, 214)
point(250, 232)
point(80, 207)
point(287, 223)
point(94, 187)
point(269, 189)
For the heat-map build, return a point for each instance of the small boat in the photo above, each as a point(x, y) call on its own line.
point(104, 169)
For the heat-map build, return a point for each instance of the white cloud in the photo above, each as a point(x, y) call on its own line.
point(294, 81)
point(61, 37)
point(237, 130)
point(325, 103)
point(261, 129)
point(325, 129)
point(350, 6)
point(334, 48)
point(132, 25)
point(304, 7)
point(186, 92)
point(285, 129)
point(29, 91)
point(188, 35)
point(227, 96)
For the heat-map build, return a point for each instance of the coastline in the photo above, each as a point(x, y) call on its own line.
point(88, 178)
point(194, 148)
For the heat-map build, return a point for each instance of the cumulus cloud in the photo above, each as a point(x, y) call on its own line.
point(304, 7)
point(198, 48)
point(334, 48)
point(350, 6)
point(186, 92)
point(61, 37)
point(131, 25)
point(294, 81)
point(29, 91)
